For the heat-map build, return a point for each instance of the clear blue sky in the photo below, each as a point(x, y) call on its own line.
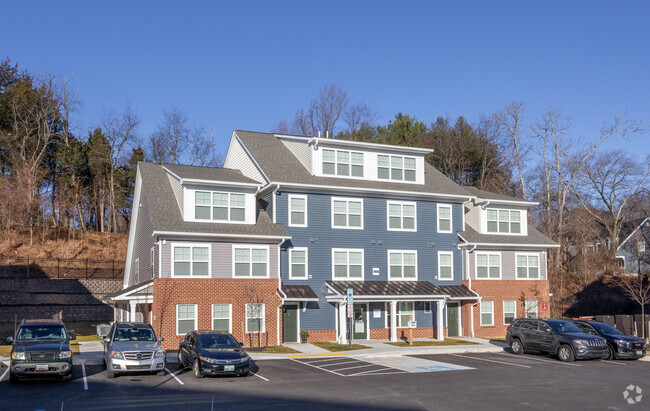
point(248, 65)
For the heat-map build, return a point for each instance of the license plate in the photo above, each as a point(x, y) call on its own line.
point(639, 353)
point(229, 368)
point(41, 367)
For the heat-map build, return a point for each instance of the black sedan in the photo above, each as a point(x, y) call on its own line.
point(212, 353)
point(619, 345)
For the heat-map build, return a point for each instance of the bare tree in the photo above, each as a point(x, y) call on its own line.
point(357, 116)
point(511, 124)
point(638, 291)
point(175, 141)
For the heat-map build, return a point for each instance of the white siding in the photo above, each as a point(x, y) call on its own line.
point(178, 191)
point(301, 150)
point(471, 216)
point(239, 160)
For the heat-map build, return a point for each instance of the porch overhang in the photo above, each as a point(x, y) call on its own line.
point(460, 292)
point(385, 291)
point(140, 294)
point(296, 293)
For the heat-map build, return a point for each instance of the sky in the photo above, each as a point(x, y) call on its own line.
point(249, 64)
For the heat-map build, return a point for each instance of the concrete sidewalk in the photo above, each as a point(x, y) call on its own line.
point(90, 353)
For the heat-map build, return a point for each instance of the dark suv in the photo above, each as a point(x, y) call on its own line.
point(41, 348)
point(619, 344)
point(557, 337)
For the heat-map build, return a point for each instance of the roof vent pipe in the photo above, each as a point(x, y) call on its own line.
point(327, 134)
point(319, 134)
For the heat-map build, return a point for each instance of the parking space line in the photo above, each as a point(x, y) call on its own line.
point(612, 362)
point(257, 375)
point(339, 363)
point(485, 359)
point(358, 366)
point(325, 360)
point(83, 370)
point(375, 372)
point(318, 368)
point(558, 362)
point(4, 373)
point(175, 377)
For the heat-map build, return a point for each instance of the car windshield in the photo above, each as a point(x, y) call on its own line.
point(603, 328)
point(41, 332)
point(134, 334)
point(216, 341)
point(564, 327)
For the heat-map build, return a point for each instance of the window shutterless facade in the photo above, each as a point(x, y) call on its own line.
point(297, 210)
point(190, 260)
point(503, 221)
point(347, 264)
point(531, 309)
point(402, 216)
point(527, 266)
point(404, 312)
point(219, 206)
point(445, 265)
point(347, 213)
point(222, 317)
point(402, 265)
point(487, 313)
point(298, 266)
point(509, 311)
point(250, 262)
point(444, 218)
point(488, 266)
point(186, 318)
point(342, 163)
point(396, 168)
point(255, 318)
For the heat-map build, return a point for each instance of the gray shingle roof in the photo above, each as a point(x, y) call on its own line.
point(209, 173)
point(388, 288)
point(298, 292)
point(280, 165)
point(458, 291)
point(493, 196)
point(534, 237)
point(166, 216)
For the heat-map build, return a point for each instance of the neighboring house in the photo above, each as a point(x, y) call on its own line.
point(270, 244)
point(634, 248)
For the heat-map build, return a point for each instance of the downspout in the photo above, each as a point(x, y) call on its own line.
point(469, 281)
point(275, 193)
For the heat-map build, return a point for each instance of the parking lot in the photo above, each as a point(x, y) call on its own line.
point(450, 381)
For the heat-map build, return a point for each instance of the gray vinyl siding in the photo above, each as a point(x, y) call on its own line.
point(178, 192)
point(267, 203)
point(301, 150)
point(142, 244)
point(508, 264)
point(471, 216)
point(221, 257)
point(241, 161)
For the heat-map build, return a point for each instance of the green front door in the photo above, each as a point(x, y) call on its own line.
point(453, 314)
point(290, 323)
point(359, 323)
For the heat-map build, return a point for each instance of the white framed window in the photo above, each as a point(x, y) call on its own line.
point(190, 260)
point(250, 261)
point(222, 317)
point(396, 168)
point(298, 263)
point(445, 265)
point(255, 318)
point(403, 265)
point(427, 307)
point(487, 312)
point(488, 266)
point(444, 218)
point(342, 163)
point(503, 221)
point(186, 318)
point(347, 264)
point(401, 216)
point(527, 266)
point(404, 311)
point(136, 268)
point(297, 210)
point(152, 262)
point(219, 206)
point(531, 309)
point(509, 311)
point(347, 213)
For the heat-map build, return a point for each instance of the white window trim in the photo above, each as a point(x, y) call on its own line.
point(251, 248)
point(388, 252)
point(363, 264)
point(153, 262)
point(211, 206)
point(403, 168)
point(481, 312)
point(263, 329)
point(346, 199)
point(229, 316)
point(504, 311)
point(401, 204)
point(539, 266)
point(397, 314)
point(488, 253)
point(451, 253)
point(291, 197)
point(306, 250)
point(196, 317)
point(522, 222)
point(451, 218)
point(349, 163)
point(536, 308)
point(191, 267)
point(424, 309)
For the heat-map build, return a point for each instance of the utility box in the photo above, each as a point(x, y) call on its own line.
point(625, 324)
point(103, 329)
point(608, 319)
point(638, 321)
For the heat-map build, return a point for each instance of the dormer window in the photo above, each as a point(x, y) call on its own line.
point(503, 221)
point(219, 206)
point(396, 168)
point(342, 163)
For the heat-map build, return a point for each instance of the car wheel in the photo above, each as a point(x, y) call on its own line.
point(197, 369)
point(245, 373)
point(565, 353)
point(13, 378)
point(160, 372)
point(610, 353)
point(110, 374)
point(516, 346)
point(180, 363)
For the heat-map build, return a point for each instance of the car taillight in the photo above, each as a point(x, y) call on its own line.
point(507, 328)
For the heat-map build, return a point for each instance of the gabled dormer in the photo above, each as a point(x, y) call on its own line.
point(497, 214)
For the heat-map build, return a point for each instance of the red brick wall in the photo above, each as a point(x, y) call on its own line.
point(168, 292)
point(499, 291)
point(421, 332)
point(321, 335)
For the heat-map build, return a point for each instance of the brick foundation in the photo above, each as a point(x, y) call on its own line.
point(402, 333)
point(321, 336)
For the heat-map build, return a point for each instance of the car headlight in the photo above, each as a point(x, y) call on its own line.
point(159, 353)
point(621, 343)
point(18, 355)
point(65, 354)
point(580, 342)
point(208, 360)
point(116, 354)
point(243, 356)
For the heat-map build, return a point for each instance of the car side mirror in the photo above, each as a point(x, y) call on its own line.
point(107, 340)
point(10, 339)
point(72, 337)
point(161, 339)
point(241, 344)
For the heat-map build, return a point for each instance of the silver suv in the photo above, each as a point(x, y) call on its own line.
point(132, 347)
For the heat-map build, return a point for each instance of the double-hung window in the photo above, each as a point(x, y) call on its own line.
point(527, 266)
point(404, 312)
point(488, 266)
point(445, 265)
point(191, 261)
point(255, 318)
point(298, 264)
point(221, 317)
point(297, 211)
point(186, 318)
point(487, 312)
point(444, 218)
point(347, 213)
point(347, 264)
point(401, 216)
point(342, 163)
point(396, 168)
point(503, 221)
point(402, 265)
point(509, 311)
point(251, 261)
point(531, 308)
point(219, 206)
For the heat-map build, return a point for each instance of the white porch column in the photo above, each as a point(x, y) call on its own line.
point(440, 306)
point(343, 323)
point(393, 321)
point(132, 313)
